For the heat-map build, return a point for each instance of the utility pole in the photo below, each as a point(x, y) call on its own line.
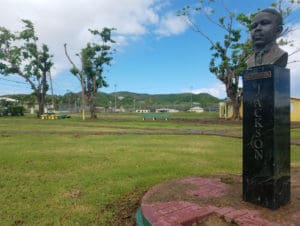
point(191, 96)
point(115, 97)
point(51, 88)
point(69, 93)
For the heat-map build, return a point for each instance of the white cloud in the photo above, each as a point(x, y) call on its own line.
point(217, 90)
point(58, 22)
point(171, 24)
point(294, 52)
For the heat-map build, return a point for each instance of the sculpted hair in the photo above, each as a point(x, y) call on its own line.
point(274, 12)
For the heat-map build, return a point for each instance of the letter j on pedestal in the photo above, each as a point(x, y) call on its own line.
point(266, 136)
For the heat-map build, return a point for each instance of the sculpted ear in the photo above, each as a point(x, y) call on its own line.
point(279, 29)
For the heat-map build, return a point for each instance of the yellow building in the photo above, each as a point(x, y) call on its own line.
point(226, 110)
point(295, 109)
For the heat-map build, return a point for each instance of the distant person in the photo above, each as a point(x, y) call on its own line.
point(266, 27)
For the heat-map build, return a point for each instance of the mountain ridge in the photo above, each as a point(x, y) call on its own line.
point(132, 101)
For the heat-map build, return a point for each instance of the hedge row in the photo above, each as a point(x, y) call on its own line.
point(13, 111)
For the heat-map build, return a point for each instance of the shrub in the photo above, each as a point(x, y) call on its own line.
point(16, 110)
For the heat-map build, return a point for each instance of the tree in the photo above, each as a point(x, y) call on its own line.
point(94, 58)
point(229, 55)
point(21, 55)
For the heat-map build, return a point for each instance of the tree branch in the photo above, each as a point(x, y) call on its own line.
point(67, 55)
point(296, 51)
point(198, 30)
point(225, 7)
point(10, 61)
point(214, 22)
point(33, 86)
point(70, 60)
point(295, 61)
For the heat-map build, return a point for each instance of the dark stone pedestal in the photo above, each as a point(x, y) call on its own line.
point(266, 136)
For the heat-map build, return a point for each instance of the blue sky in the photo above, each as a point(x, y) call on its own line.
point(157, 52)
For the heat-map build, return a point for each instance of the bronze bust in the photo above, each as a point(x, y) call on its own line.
point(266, 27)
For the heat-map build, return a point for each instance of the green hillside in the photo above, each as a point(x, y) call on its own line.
point(182, 101)
point(130, 101)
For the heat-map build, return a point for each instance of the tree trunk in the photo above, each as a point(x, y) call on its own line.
point(43, 91)
point(92, 105)
point(232, 91)
point(41, 103)
point(235, 100)
point(92, 99)
point(82, 99)
point(236, 108)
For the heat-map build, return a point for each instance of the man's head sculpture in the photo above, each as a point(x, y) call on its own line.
point(266, 27)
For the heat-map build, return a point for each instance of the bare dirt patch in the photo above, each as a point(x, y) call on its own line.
point(124, 209)
point(73, 193)
point(214, 220)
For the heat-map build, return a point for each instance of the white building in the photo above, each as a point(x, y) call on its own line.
point(167, 110)
point(142, 111)
point(196, 109)
point(8, 99)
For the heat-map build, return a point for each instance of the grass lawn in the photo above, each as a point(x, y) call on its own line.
point(65, 177)
point(295, 133)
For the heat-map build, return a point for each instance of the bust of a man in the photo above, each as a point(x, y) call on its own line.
point(266, 27)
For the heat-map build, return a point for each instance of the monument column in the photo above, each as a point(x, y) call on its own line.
point(266, 136)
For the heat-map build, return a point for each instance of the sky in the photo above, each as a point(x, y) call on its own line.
point(157, 52)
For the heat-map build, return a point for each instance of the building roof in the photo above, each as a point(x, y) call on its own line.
point(8, 99)
point(295, 98)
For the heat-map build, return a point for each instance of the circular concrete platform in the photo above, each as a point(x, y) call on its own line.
point(215, 200)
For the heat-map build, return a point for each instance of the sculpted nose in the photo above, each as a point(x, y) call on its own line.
point(258, 27)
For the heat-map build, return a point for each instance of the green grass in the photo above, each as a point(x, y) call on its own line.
point(77, 179)
point(122, 121)
point(295, 133)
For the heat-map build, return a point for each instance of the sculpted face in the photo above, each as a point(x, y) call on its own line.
point(264, 30)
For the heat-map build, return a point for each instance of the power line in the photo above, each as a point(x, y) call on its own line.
point(5, 83)
point(8, 80)
point(57, 87)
